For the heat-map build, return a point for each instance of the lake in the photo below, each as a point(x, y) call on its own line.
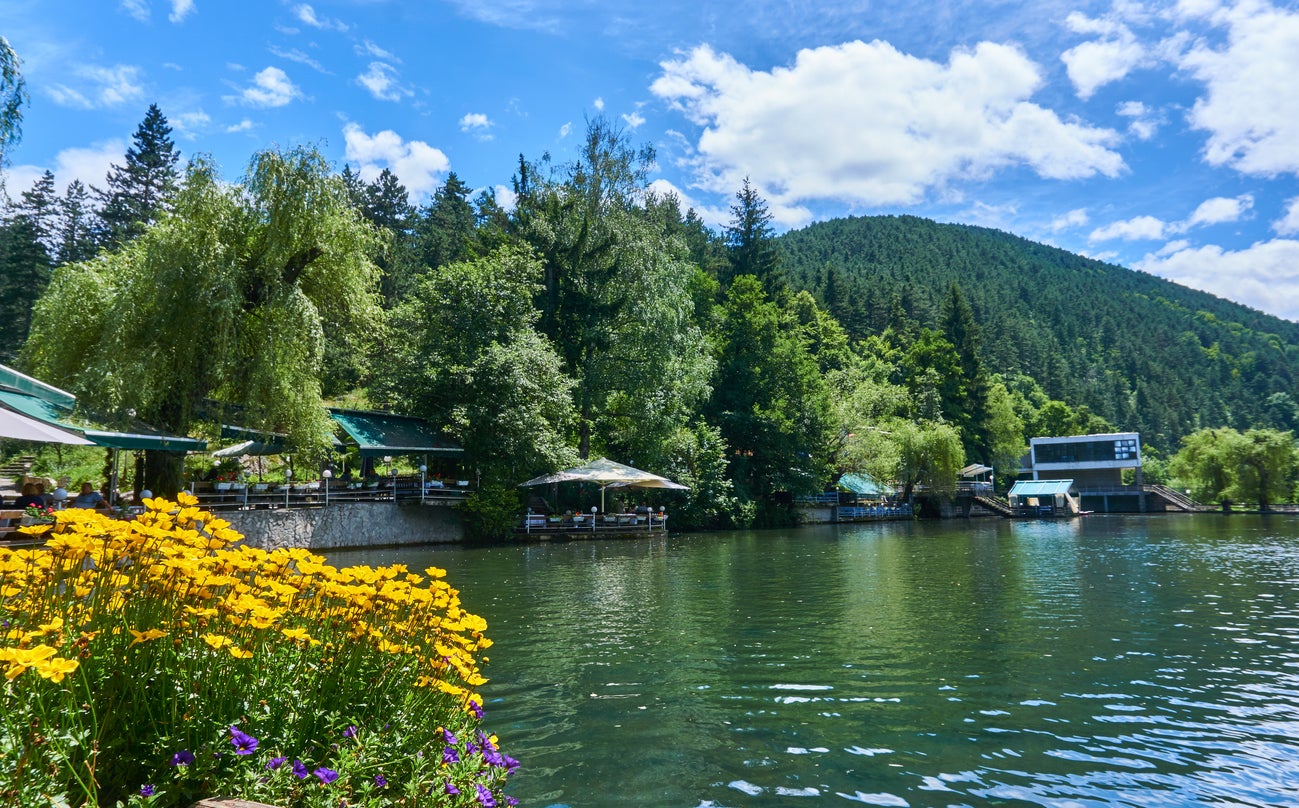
point(1107, 660)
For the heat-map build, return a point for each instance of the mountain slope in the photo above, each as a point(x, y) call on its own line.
point(1143, 352)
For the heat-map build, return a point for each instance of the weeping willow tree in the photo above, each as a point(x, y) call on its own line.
point(228, 299)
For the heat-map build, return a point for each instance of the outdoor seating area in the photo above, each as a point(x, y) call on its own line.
point(592, 522)
point(402, 489)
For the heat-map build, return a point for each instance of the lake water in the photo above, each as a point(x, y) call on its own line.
point(1149, 661)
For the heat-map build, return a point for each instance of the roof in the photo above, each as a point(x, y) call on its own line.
point(863, 485)
point(975, 469)
point(1040, 488)
point(379, 433)
point(55, 415)
point(23, 383)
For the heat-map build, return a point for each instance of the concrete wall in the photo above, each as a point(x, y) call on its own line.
point(349, 525)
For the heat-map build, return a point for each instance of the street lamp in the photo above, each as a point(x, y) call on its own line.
point(326, 474)
point(288, 483)
point(422, 470)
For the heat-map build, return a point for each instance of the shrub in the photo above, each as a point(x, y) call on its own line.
point(156, 662)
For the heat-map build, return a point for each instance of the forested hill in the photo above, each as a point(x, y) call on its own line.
point(1144, 353)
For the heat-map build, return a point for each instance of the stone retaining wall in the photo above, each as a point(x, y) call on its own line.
point(349, 525)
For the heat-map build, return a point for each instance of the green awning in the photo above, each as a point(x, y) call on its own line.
point(378, 434)
point(23, 383)
point(141, 438)
point(863, 486)
point(1040, 488)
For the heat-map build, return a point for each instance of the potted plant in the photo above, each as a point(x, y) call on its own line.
point(37, 515)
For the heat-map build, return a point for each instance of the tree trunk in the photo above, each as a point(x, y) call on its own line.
point(164, 472)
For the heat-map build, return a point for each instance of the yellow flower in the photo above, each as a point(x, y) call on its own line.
point(217, 641)
point(145, 636)
point(55, 669)
point(239, 653)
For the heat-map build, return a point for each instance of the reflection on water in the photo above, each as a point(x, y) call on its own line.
point(1101, 661)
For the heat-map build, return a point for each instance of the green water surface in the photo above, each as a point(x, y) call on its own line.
point(1146, 661)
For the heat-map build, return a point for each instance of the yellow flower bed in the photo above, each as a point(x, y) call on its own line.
point(125, 643)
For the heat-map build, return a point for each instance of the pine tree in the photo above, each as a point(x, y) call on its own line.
point(24, 274)
point(446, 230)
point(750, 240)
point(962, 332)
point(40, 206)
point(141, 190)
point(76, 240)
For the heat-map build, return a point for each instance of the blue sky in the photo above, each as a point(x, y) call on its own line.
point(1160, 136)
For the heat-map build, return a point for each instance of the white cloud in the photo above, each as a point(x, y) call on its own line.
point(1220, 209)
point(1074, 218)
point(866, 123)
point(245, 125)
point(634, 120)
point(89, 164)
point(139, 9)
point(505, 197)
point(1145, 121)
point(598, 103)
point(1138, 228)
point(190, 124)
point(107, 87)
point(1288, 225)
point(381, 81)
point(307, 15)
point(1250, 108)
point(1094, 64)
point(1264, 275)
point(368, 48)
point(180, 9)
point(478, 124)
point(295, 55)
point(566, 129)
point(418, 165)
point(270, 88)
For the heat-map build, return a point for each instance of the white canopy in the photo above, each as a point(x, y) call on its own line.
point(607, 474)
point(20, 427)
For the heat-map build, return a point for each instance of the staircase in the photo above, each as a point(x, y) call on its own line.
point(995, 504)
point(17, 467)
point(1175, 498)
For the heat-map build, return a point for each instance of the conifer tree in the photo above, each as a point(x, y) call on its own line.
point(962, 332)
point(76, 239)
point(446, 229)
point(141, 189)
point(40, 205)
point(750, 241)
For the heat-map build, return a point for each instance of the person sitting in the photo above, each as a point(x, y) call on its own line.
point(29, 498)
point(89, 498)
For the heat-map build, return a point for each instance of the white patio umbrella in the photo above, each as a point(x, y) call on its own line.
point(606, 473)
point(19, 427)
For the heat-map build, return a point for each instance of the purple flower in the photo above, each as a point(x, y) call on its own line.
point(243, 743)
point(471, 748)
point(182, 758)
point(350, 732)
point(451, 789)
point(326, 776)
point(476, 710)
point(485, 797)
point(300, 769)
point(380, 781)
point(450, 755)
point(510, 764)
point(494, 758)
point(276, 762)
point(484, 741)
point(146, 790)
point(449, 738)
point(510, 801)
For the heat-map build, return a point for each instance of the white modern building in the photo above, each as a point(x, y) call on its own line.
point(1091, 461)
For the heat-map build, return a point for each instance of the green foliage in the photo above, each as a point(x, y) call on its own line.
point(492, 511)
point(769, 399)
point(1141, 353)
point(13, 95)
point(697, 458)
point(229, 298)
point(1224, 465)
point(467, 356)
